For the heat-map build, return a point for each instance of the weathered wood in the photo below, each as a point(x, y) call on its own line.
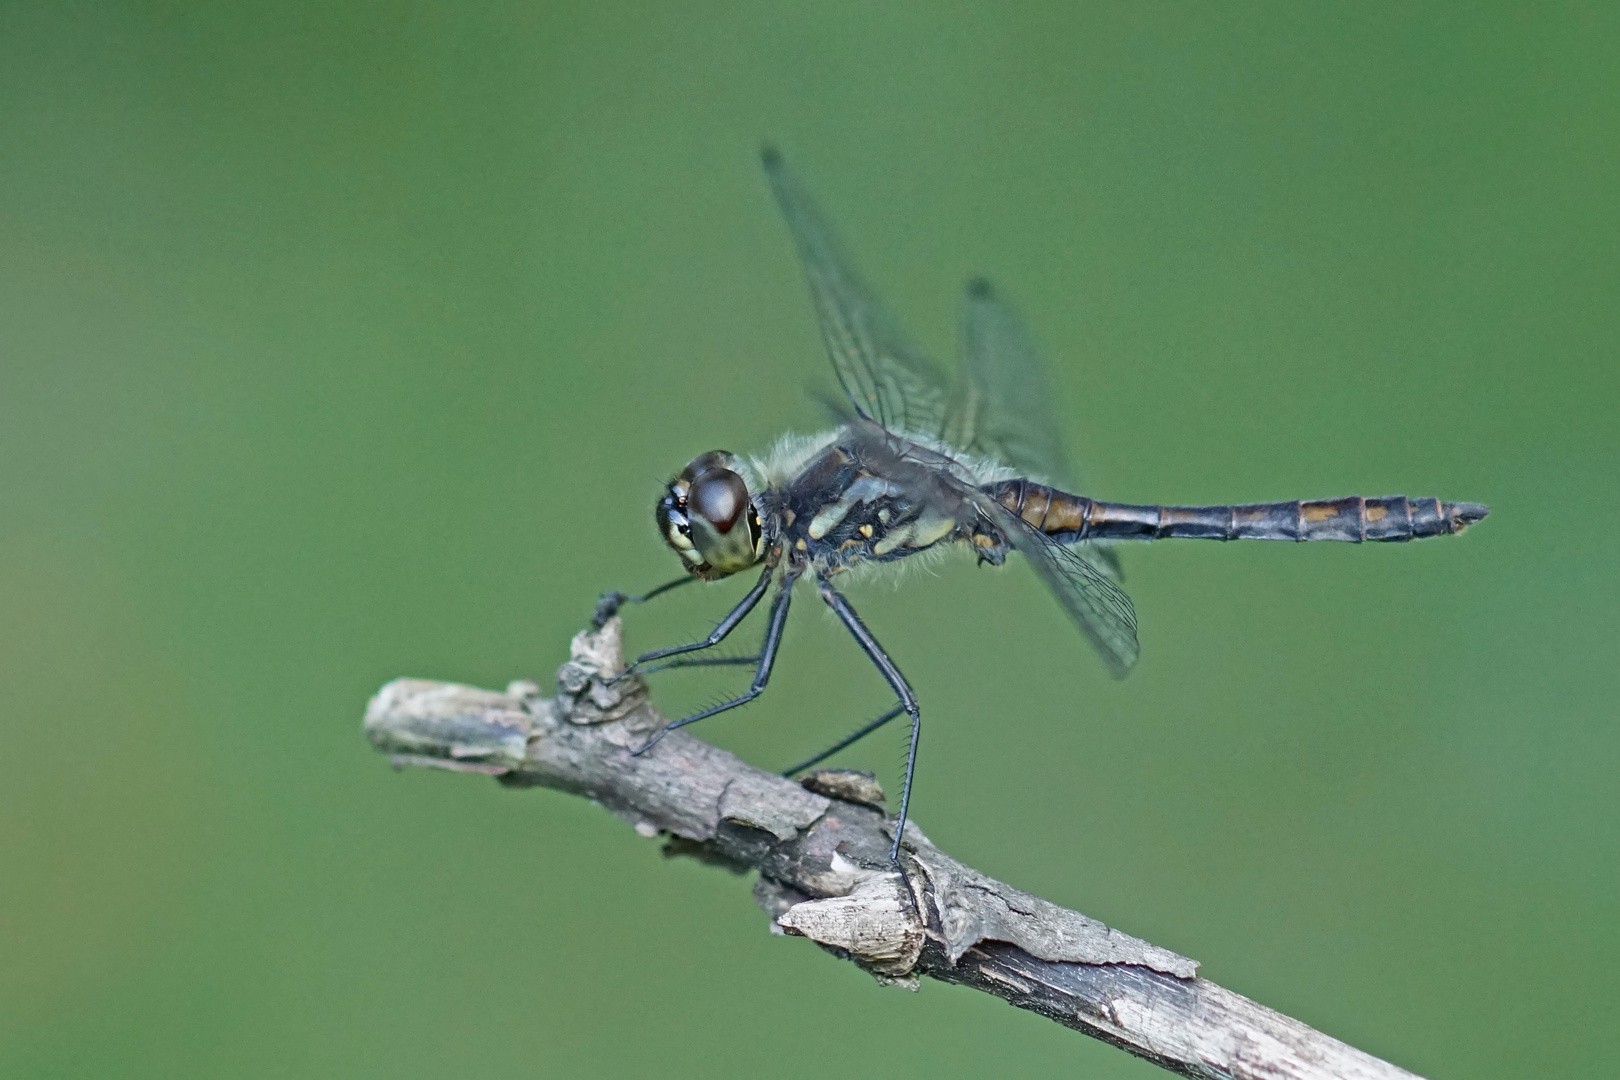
point(821, 849)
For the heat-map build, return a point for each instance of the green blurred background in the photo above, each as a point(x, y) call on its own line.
point(347, 341)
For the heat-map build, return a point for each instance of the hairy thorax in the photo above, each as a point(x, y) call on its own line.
point(848, 500)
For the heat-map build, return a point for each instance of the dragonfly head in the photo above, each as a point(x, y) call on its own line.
point(707, 515)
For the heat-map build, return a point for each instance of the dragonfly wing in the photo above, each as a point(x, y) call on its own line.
point(1098, 606)
point(1006, 405)
point(887, 378)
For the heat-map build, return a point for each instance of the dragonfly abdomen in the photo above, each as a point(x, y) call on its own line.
point(1354, 518)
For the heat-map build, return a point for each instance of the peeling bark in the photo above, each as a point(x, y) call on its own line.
point(821, 850)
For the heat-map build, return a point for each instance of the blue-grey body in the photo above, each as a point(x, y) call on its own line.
point(923, 463)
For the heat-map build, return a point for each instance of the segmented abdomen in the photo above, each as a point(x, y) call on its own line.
point(1353, 518)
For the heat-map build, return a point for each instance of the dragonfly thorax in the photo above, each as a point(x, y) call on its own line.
point(707, 516)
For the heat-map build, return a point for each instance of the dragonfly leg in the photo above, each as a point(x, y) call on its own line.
point(609, 603)
point(908, 702)
point(701, 661)
point(848, 740)
point(762, 674)
point(735, 616)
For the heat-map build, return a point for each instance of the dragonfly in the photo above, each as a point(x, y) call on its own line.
point(921, 463)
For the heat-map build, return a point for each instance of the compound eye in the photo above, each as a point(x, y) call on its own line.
point(720, 497)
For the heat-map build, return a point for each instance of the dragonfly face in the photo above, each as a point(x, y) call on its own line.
point(926, 462)
point(707, 516)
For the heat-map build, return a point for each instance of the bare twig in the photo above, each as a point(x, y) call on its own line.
point(821, 849)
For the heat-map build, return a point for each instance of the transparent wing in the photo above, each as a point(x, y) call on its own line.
point(886, 377)
point(1005, 407)
point(1098, 606)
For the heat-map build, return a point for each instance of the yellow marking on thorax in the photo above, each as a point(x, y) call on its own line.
point(895, 537)
point(866, 489)
point(928, 530)
point(917, 534)
point(830, 515)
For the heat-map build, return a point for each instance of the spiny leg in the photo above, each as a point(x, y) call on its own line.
point(762, 675)
point(908, 702)
point(848, 740)
point(609, 603)
point(727, 625)
point(701, 661)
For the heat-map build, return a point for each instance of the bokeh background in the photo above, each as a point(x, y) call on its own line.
point(353, 340)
